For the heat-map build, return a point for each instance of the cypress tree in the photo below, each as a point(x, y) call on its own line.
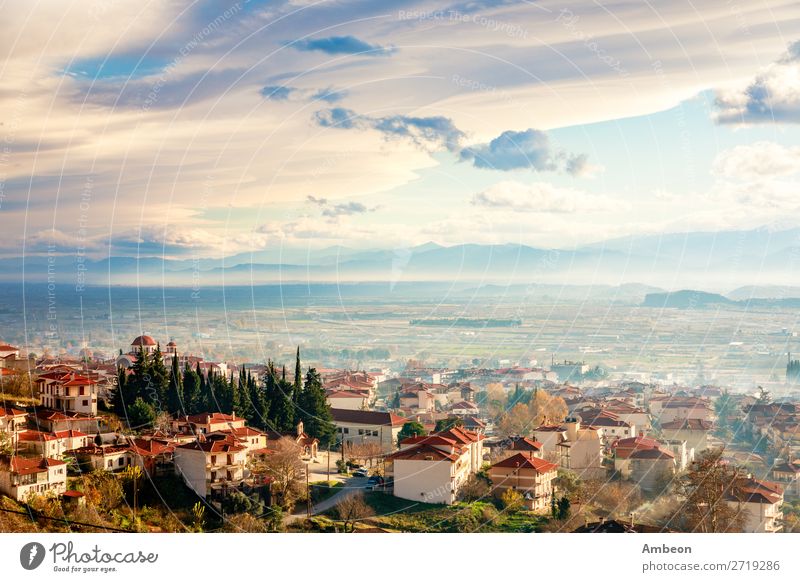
point(191, 391)
point(315, 410)
point(298, 377)
point(175, 396)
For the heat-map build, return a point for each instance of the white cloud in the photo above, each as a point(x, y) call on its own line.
point(543, 197)
point(758, 160)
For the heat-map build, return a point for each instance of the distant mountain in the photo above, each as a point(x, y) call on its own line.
point(760, 259)
point(686, 299)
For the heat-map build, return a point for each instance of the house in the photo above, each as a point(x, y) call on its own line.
point(56, 421)
point(644, 460)
point(692, 430)
point(759, 503)
point(206, 423)
point(211, 467)
point(787, 474)
point(309, 446)
point(550, 435)
point(348, 399)
point(12, 423)
point(48, 444)
point(21, 477)
point(464, 408)
point(670, 408)
point(529, 475)
point(582, 450)
point(68, 392)
point(515, 445)
point(610, 424)
point(153, 456)
point(433, 468)
point(111, 457)
point(367, 426)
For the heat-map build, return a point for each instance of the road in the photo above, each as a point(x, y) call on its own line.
point(351, 486)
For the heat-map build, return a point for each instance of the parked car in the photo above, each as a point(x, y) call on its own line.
point(375, 480)
point(360, 473)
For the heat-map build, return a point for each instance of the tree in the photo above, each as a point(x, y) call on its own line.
point(444, 424)
point(141, 414)
point(277, 391)
point(298, 375)
point(512, 500)
point(192, 396)
point(352, 509)
point(175, 397)
point(411, 429)
point(705, 489)
point(287, 471)
point(522, 418)
point(314, 410)
point(102, 490)
point(617, 498)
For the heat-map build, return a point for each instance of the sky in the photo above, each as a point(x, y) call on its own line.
point(213, 127)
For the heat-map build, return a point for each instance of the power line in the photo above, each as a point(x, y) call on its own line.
point(66, 521)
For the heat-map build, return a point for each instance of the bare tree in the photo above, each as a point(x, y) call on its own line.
point(706, 488)
point(351, 509)
point(286, 469)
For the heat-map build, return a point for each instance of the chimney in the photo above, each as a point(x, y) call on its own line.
point(573, 425)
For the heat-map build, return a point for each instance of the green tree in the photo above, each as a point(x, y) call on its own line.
point(192, 396)
point(141, 414)
point(444, 424)
point(411, 429)
point(175, 396)
point(314, 410)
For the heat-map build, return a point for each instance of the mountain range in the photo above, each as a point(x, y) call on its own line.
point(759, 262)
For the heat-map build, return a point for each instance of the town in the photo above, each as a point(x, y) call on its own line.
point(160, 440)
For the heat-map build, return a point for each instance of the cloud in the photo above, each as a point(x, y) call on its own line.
point(436, 131)
point(338, 117)
point(341, 45)
point(340, 209)
point(529, 149)
point(346, 209)
point(167, 240)
point(317, 201)
point(543, 197)
point(773, 96)
point(277, 92)
point(286, 93)
point(758, 160)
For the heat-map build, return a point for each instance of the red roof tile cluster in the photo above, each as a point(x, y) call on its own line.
point(520, 461)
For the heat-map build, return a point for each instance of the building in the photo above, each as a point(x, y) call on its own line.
point(368, 426)
point(692, 430)
point(49, 444)
point(111, 457)
point(582, 450)
point(759, 504)
point(517, 444)
point(206, 423)
point(529, 475)
point(12, 423)
point(434, 468)
point(787, 474)
point(644, 460)
point(22, 477)
point(153, 456)
point(348, 400)
point(68, 392)
point(211, 468)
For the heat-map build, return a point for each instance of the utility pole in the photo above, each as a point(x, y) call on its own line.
point(329, 462)
point(308, 494)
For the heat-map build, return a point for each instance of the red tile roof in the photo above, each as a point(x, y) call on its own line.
point(524, 462)
point(370, 417)
point(423, 452)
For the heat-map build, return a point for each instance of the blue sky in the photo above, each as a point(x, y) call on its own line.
point(209, 128)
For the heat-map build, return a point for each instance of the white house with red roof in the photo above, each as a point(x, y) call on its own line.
point(433, 468)
point(211, 467)
point(68, 391)
point(531, 476)
point(759, 503)
point(694, 431)
point(52, 444)
point(21, 477)
point(645, 460)
point(12, 422)
point(207, 422)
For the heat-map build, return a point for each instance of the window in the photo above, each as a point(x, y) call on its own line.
point(110, 464)
point(86, 403)
point(121, 461)
point(346, 430)
point(361, 431)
